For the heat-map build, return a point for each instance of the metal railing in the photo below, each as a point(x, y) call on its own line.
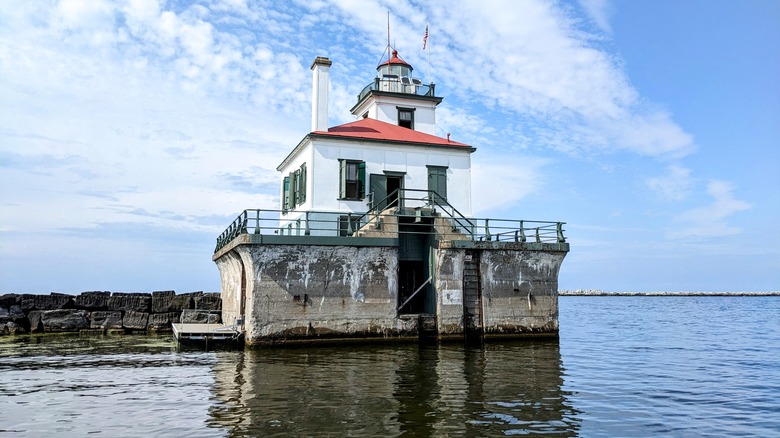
point(414, 293)
point(414, 86)
point(417, 202)
point(408, 211)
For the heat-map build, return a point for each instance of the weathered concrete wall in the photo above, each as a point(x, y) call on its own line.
point(231, 270)
point(101, 311)
point(449, 287)
point(300, 292)
point(519, 289)
point(308, 292)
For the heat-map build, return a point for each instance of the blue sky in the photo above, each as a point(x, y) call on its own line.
point(133, 132)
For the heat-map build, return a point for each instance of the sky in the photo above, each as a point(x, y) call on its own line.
point(133, 132)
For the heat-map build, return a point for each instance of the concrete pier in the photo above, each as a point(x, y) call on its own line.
point(306, 289)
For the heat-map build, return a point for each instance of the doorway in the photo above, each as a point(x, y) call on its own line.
point(415, 291)
point(385, 190)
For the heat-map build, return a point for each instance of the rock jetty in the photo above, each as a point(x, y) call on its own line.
point(598, 292)
point(101, 312)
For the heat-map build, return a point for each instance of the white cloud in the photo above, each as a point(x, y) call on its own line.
point(473, 127)
point(534, 62)
point(539, 64)
point(676, 185)
point(599, 11)
point(710, 221)
point(161, 117)
point(499, 183)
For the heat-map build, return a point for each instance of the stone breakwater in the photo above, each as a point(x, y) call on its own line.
point(101, 312)
point(597, 292)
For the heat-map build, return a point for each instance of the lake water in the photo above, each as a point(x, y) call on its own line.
point(624, 366)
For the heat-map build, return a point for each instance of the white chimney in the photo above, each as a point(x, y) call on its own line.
point(319, 93)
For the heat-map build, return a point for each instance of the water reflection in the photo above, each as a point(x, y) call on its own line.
point(640, 377)
point(53, 345)
point(410, 390)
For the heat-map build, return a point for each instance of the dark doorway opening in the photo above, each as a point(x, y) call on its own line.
point(393, 190)
point(385, 190)
point(414, 247)
point(410, 277)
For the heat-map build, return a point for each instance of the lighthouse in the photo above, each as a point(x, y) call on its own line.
point(374, 237)
point(389, 148)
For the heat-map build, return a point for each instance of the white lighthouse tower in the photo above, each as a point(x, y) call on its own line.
point(398, 98)
point(390, 149)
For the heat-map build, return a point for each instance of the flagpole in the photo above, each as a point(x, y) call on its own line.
point(430, 80)
point(425, 46)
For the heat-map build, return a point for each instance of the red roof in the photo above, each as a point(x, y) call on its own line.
point(396, 60)
point(372, 129)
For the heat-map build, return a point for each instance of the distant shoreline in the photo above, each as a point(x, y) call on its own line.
point(601, 293)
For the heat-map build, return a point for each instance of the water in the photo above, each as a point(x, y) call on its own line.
point(624, 366)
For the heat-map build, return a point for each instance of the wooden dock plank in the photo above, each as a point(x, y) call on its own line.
point(204, 331)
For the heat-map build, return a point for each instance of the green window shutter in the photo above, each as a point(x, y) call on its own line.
point(362, 179)
point(286, 194)
point(437, 182)
point(294, 177)
point(302, 188)
point(291, 192)
point(342, 179)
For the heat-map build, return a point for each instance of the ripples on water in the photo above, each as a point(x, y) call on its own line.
point(114, 386)
point(624, 366)
point(673, 366)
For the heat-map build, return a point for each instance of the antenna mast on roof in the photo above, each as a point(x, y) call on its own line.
point(387, 48)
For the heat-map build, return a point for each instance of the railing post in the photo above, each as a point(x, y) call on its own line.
point(522, 232)
point(306, 230)
point(561, 239)
point(349, 224)
point(487, 230)
point(538, 238)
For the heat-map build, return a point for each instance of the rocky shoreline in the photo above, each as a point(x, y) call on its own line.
point(597, 292)
point(103, 312)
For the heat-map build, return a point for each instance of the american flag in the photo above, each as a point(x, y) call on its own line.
point(425, 38)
